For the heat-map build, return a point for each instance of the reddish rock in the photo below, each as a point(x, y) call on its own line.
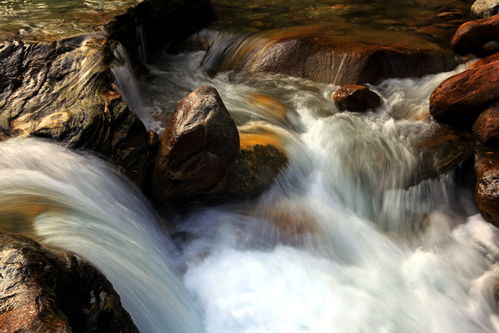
point(198, 145)
point(472, 35)
point(356, 98)
point(486, 193)
point(486, 60)
point(486, 127)
point(459, 100)
point(51, 291)
point(324, 53)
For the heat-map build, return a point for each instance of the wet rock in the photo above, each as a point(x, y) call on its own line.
point(356, 98)
point(486, 193)
point(323, 53)
point(485, 8)
point(44, 290)
point(473, 35)
point(62, 89)
point(486, 127)
point(459, 100)
point(486, 60)
point(255, 169)
point(198, 145)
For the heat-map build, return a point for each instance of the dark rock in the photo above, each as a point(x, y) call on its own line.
point(486, 127)
point(485, 8)
point(198, 145)
point(253, 172)
point(356, 98)
point(472, 35)
point(44, 290)
point(486, 194)
point(322, 53)
point(459, 100)
point(488, 49)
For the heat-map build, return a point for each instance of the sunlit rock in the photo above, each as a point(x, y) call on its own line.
point(44, 290)
point(485, 8)
point(473, 35)
point(255, 169)
point(459, 100)
point(330, 54)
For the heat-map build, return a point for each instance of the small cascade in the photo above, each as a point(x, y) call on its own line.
point(129, 87)
point(83, 206)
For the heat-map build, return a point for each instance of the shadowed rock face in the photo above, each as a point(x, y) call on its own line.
point(486, 127)
point(459, 100)
point(487, 186)
point(356, 98)
point(45, 290)
point(323, 54)
point(198, 145)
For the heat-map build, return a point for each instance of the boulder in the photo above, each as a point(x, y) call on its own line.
point(356, 98)
point(473, 35)
point(330, 54)
point(486, 127)
point(45, 290)
point(486, 193)
point(485, 8)
point(255, 169)
point(459, 100)
point(198, 145)
point(486, 60)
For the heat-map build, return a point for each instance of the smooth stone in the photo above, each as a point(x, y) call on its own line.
point(356, 98)
point(197, 147)
point(486, 127)
point(473, 35)
point(460, 99)
point(486, 192)
point(485, 8)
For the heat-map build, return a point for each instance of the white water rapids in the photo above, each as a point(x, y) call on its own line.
point(334, 246)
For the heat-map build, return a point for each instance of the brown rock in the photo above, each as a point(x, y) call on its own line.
point(260, 160)
point(486, 194)
point(326, 53)
point(472, 35)
point(486, 127)
point(459, 100)
point(486, 60)
point(356, 98)
point(198, 145)
point(43, 290)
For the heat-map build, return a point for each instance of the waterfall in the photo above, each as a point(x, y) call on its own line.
point(95, 213)
point(339, 243)
point(127, 83)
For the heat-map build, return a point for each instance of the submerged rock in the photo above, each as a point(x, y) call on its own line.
point(45, 290)
point(486, 127)
point(486, 194)
point(356, 98)
point(324, 53)
point(473, 35)
point(485, 8)
point(198, 145)
point(459, 100)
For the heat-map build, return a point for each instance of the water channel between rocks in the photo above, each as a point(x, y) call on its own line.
point(337, 244)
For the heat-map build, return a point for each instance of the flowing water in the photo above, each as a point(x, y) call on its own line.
point(345, 240)
point(338, 244)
